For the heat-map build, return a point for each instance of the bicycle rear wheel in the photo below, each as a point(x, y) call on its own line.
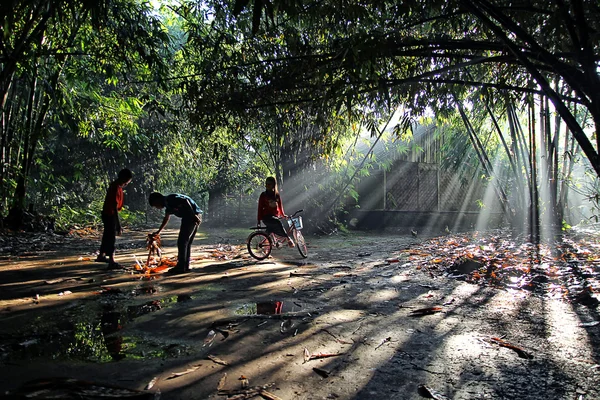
point(301, 243)
point(259, 245)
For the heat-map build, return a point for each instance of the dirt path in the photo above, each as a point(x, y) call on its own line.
point(345, 326)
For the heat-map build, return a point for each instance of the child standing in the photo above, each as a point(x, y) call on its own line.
point(113, 203)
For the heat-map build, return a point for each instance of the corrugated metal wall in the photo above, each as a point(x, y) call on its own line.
point(411, 186)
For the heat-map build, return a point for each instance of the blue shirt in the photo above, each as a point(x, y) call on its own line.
point(177, 204)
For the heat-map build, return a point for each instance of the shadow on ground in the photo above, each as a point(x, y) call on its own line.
point(342, 324)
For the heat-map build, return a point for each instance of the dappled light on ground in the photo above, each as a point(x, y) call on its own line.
point(362, 317)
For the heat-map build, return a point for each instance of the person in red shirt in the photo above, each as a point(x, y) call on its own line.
point(113, 203)
point(270, 210)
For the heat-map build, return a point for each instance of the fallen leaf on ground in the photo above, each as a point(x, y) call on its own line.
point(222, 382)
point(306, 355)
point(210, 337)
point(384, 341)
point(217, 360)
point(323, 355)
point(449, 302)
point(425, 311)
point(588, 324)
point(187, 371)
point(269, 395)
point(151, 383)
point(521, 353)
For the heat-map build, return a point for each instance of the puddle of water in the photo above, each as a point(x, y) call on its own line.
point(147, 288)
point(90, 332)
point(269, 308)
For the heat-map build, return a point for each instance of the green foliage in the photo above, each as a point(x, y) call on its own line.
point(88, 342)
point(130, 218)
point(68, 216)
point(207, 98)
point(82, 216)
point(70, 73)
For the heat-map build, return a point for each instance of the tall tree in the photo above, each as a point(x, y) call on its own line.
point(44, 47)
point(416, 46)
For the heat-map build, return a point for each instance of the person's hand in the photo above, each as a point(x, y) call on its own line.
point(119, 231)
point(197, 218)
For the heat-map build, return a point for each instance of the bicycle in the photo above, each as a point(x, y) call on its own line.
point(261, 242)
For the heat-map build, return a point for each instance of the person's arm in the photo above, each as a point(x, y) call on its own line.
point(163, 224)
point(261, 206)
point(280, 206)
point(116, 209)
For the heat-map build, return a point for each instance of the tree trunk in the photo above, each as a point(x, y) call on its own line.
point(586, 85)
point(535, 195)
point(483, 159)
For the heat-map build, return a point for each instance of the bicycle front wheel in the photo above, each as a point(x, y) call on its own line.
point(301, 243)
point(259, 245)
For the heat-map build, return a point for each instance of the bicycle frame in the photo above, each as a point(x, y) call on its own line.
point(277, 239)
point(261, 249)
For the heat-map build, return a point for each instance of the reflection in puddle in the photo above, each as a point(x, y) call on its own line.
point(110, 324)
point(268, 308)
point(89, 333)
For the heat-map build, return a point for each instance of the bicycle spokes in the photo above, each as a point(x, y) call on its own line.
point(259, 245)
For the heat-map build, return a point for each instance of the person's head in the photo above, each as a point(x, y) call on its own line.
point(124, 176)
point(271, 184)
point(156, 200)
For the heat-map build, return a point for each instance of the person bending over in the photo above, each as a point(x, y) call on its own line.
point(270, 210)
point(184, 207)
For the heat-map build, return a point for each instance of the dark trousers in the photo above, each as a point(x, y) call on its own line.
point(187, 232)
point(276, 225)
point(109, 237)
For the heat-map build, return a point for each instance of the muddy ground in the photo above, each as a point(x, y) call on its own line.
point(340, 324)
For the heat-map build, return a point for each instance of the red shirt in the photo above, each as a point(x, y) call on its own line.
point(269, 204)
point(113, 200)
